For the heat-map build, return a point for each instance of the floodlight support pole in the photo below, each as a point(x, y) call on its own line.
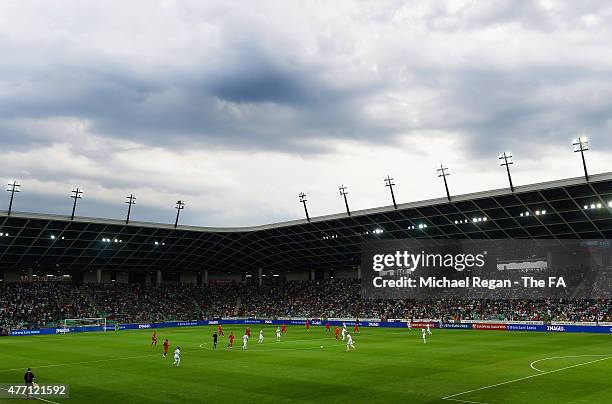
point(509, 176)
point(584, 166)
point(76, 195)
point(73, 209)
point(348, 211)
point(447, 191)
point(14, 187)
point(306, 211)
point(131, 199)
point(11, 201)
point(180, 205)
point(389, 183)
point(343, 192)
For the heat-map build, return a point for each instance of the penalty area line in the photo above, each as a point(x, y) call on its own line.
point(451, 397)
point(531, 365)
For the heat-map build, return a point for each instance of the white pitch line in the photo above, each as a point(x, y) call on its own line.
point(34, 397)
point(523, 378)
point(558, 357)
point(464, 401)
point(80, 363)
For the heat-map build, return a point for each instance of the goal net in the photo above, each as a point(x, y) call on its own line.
point(84, 324)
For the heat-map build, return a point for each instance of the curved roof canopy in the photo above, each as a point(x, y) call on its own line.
point(570, 208)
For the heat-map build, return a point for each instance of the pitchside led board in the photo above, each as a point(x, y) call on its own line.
point(486, 269)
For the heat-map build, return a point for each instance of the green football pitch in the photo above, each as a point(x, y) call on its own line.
point(388, 365)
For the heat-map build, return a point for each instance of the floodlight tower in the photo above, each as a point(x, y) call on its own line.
point(77, 193)
point(343, 192)
point(303, 201)
point(13, 186)
point(581, 145)
point(131, 200)
point(180, 205)
point(442, 173)
point(389, 183)
point(507, 160)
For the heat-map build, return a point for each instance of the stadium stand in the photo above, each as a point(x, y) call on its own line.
point(38, 304)
point(163, 268)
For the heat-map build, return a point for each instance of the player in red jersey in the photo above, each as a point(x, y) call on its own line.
point(248, 331)
point(337, 333)
point(307, 325)
point(284, 328)
point(327, 327)
point(166, 344)
point(356, 328)
point(220, 330)
point(154, 339)
point(231, 340)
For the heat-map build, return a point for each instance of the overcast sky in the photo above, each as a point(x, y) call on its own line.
point(236, 107)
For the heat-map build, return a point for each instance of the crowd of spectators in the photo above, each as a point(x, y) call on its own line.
point(38, 304)
point(342, 298)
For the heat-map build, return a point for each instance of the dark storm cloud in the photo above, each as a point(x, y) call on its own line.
point(252, 79)
point(251, 103)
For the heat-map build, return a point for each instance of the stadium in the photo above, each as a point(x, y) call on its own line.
point(74, 282)
point(250, 201)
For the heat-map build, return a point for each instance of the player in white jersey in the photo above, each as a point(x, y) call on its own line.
point(428, 330)
point(278, 334)
point(177, 356)
point(261, 336)
point(424, 335)
point(344, 331)
point(349, 342)
point(245, 342)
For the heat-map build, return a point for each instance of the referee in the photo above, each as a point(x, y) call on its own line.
point(28, 379)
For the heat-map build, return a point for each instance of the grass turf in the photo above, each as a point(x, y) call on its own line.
point(389, 365)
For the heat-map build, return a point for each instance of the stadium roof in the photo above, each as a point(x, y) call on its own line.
point(569, 208)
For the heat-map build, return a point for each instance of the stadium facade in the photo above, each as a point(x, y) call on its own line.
point(102, 250)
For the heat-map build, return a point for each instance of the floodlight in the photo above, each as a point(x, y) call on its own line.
point(507, 161)
point(303, 200)
point(389, 183)
point(343, 192)
point(13, 187)
point(76, 194)
point(131, 200)
point(580, 146)
point(180, 205)
point(442, 173)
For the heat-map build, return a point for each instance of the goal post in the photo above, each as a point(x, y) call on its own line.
point(84, 324)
